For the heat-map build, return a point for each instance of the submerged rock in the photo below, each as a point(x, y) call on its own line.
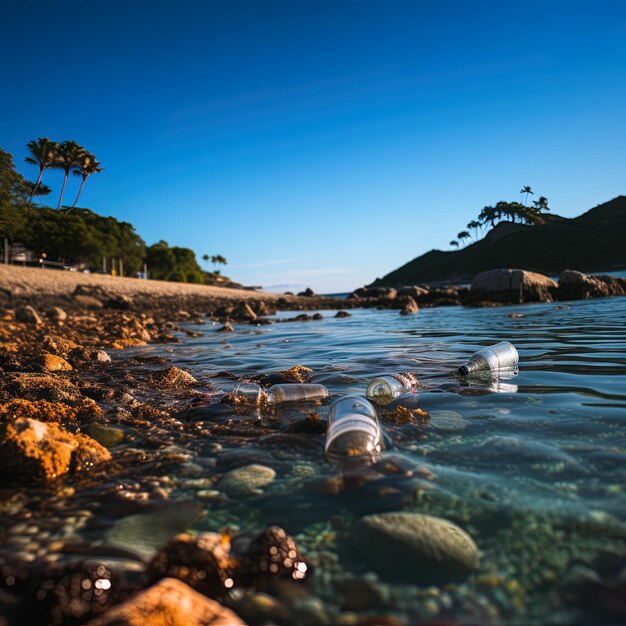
point(32, 449)
point(247, 480)
point(414, 547)
point(169, 602)
point(202, 561)
point(342, 314)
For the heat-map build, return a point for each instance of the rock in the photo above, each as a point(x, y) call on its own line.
point(262, 608)
point(342, 314)
point(28, 315)
point(511, 286)
point(383, 293)
point(57, 314)
point(53, 363)
point(318, 316)
point(59, 346)
point(415, 547)
point(409, 307)
point(108, 436)
point(244, 312)
point(615, 284)
point(169, 602)
point(270, 555)
point(307, 293)
point(578, 286)
point(247, 480)
point(227, 328)
point(203, 562)
point(100, 356)
point(413, 291)
point(121, 302)
point(447, 420)
point(262, 308)
point(87, 302)
point(29, 448)
point(173, 377)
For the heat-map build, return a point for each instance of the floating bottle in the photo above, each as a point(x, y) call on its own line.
point(383, 389)
point(353, 432)
point(277, 394)
point(501, 356)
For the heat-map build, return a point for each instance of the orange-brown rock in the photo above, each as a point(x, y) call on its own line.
point(120, 344)
point(54, 363)
point(44, 411)
point(173, 377)
point(33, 449)
point(59, 346)
point(169, 603)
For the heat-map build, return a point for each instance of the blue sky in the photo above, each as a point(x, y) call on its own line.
point(320, 143)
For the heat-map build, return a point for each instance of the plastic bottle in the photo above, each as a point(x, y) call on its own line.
point(501, 356)
point(277, 394)
point(353, 432)
point(383, 389)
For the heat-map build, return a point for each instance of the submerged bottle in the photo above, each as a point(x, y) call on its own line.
point(353, 432)
point(501, 356)
point(383, 389)
point(277, 394)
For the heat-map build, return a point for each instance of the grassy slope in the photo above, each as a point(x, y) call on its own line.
point(594, 241)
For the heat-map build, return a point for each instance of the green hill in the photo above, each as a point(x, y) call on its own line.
point(592, 242)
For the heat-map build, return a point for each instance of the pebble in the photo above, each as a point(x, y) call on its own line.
point(247, 480)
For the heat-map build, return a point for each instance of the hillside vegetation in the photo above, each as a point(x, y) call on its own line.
point(592, 242)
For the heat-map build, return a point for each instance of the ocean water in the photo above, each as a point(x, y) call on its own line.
point(532, 467)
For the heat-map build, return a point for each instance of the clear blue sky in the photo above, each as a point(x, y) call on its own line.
point(320, 143)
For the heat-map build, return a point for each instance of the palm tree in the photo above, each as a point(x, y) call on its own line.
point(474, 225)
point(205, 258)
point(69, 155)
point(43, 154)
point(526, 190)
point(454, 243)
point(218, 259)
point(463, 235)
point(541, 204)
point(87, 165)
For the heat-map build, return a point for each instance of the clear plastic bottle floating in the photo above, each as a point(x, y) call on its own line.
point(501, 357)
point(383, 389)
point(277, 394)
point(353, 432)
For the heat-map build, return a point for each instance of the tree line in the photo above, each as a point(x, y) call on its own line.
point(516, 212)
point(79, 236)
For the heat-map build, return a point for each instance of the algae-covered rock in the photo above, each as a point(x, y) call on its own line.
point(108, 436)
point(33, 449)
point(414, 547)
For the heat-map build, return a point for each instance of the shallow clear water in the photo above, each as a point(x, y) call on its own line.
point(533, 467)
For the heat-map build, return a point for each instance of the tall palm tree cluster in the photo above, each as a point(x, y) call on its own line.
point(67, 156)
point(516, 212)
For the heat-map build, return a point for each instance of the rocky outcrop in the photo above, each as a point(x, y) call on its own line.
point(172, 602)
point(575, 285)
point(511, 286)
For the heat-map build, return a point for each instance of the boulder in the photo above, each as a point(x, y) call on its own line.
point(409, 306)
point(414, 547)
point(342, 314)
point(384, 293)
point(168, 602)
point(32, 449)
point(57, 314)
point(575, 285)
point(120, 302)
point(511, 286)
point(244, 312)
point(28, 315)
point(616, 284)
point(413, 291)
point(87, 302)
